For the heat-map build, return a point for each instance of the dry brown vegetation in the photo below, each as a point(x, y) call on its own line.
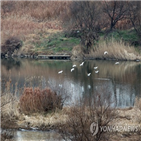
point(22, 18)
point(77, 127)
point(73, 121)
point(28, 20)
point(96, 109)
point(44, 105)
point(39, 100)
point(116, 50)
point(32, 21)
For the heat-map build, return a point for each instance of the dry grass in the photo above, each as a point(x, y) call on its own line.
point(77, 53)
point(22, 19)
point(43, 121)
point(128, 116)
point(43, 10)
point(75, 115)
point(11, 117)
point(9, 101)
point(21, 27)
point(116, 50)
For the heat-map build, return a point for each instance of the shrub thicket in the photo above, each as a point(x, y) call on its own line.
point(96, 110)
point(39, 100)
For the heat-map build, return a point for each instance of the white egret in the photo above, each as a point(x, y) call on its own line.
point(106, 52)
point(95, 68)
point(82, 64)
point(89, 74)
point(74, 66)
point(60, 72)
point(97, 71)
point(116, 63)
point(89, 86)
point(72, 69)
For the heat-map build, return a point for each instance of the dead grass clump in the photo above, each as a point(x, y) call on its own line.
point(116, 50)
point(39, 100)
point(77, 52)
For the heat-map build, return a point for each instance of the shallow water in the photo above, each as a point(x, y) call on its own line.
point(122, 82)
point(37, 135)
point(34, 135)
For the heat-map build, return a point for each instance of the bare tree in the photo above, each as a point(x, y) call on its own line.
point(135, 16)
point(115, 10)
point(84, 17)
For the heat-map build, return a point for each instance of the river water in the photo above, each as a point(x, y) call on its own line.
point(34, 135)
point(122, 82)
point(37, 135)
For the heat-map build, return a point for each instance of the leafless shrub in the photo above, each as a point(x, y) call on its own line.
point(39, 100)
point(97, 110)
point(10, 45)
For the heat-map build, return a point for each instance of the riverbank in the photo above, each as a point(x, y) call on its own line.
point(50, 37)
point(58, 43)
point(130, 117)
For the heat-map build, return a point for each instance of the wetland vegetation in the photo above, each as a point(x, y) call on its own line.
point(37, 100)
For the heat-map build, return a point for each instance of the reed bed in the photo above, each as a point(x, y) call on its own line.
point(116, 51)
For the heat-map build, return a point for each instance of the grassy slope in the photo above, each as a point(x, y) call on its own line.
point(56, 43)
point(52, 43)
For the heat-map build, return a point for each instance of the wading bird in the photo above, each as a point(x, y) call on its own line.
point(72, 69)
point(74, 66)
point(96, 71)
point(105, 52)
point(95, 68)
point(89, 74)
point(60, 72)
point(116, 63)
point(82, 64)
